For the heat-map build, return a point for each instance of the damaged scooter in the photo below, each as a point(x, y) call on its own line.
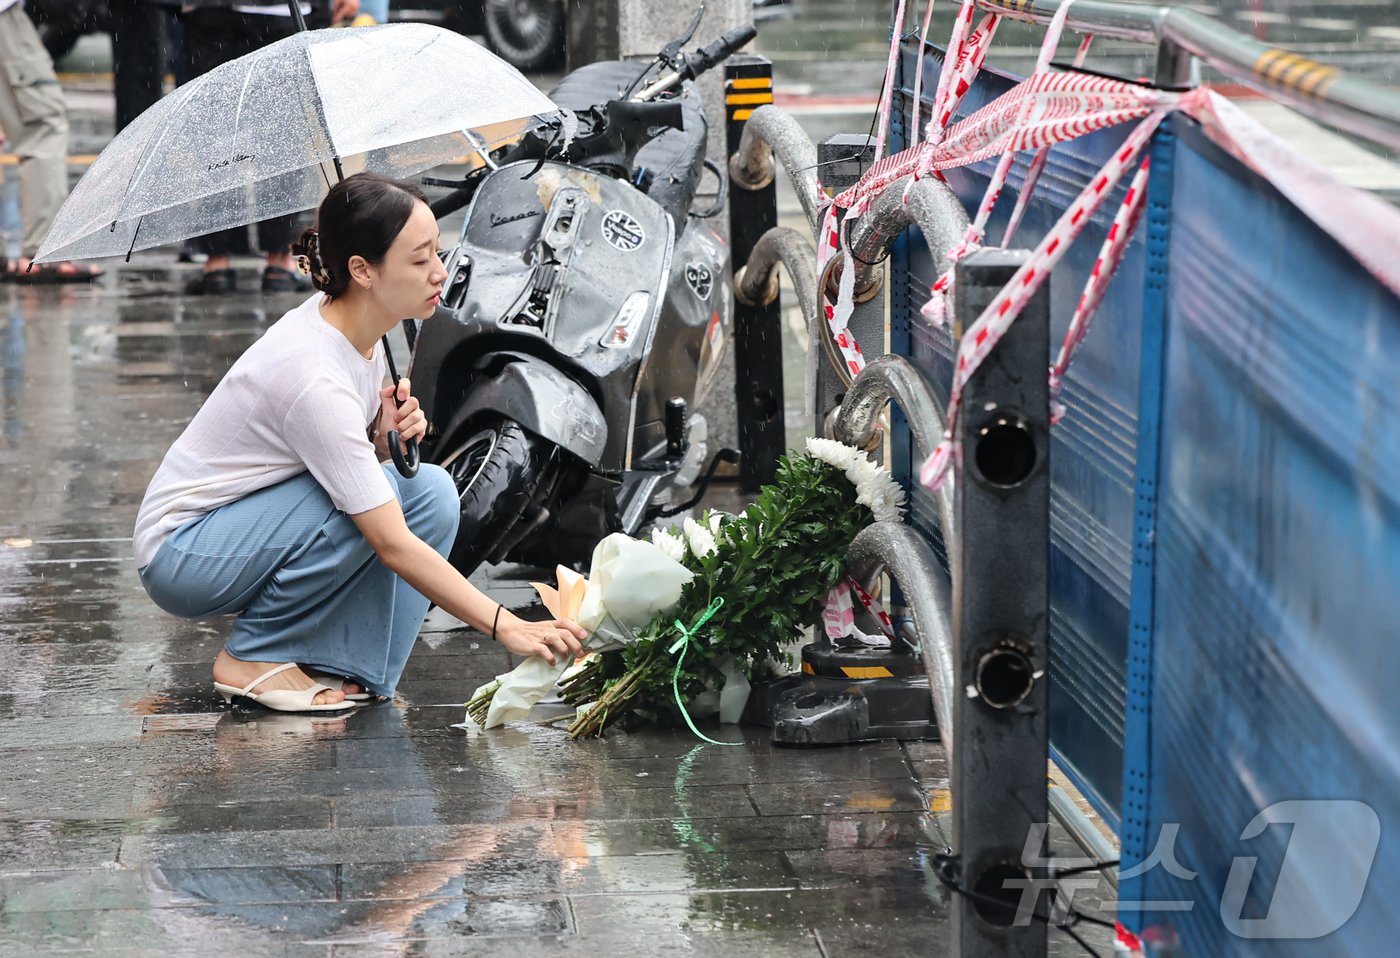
point(585, 316)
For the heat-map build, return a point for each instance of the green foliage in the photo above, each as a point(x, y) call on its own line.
point(772, 566)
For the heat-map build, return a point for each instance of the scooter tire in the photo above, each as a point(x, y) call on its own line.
point(497, 468)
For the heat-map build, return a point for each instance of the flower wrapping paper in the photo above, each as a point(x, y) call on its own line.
point(629, 582)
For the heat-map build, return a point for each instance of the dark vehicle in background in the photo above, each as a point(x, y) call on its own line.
point(527, 34)
point(530, 34)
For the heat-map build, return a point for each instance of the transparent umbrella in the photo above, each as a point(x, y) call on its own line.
point(268, 133)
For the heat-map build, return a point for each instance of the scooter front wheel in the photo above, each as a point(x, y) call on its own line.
point(498, 469)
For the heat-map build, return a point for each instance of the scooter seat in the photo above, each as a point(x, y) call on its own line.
point(672, 159)
point(595, 84)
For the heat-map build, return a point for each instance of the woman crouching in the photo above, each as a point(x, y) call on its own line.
point(275, 503)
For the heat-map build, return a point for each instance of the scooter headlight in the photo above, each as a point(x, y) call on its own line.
point(626, 322)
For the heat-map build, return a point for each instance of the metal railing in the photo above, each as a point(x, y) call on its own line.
point(1323, 92)
point(899, 550)
point(771, 132)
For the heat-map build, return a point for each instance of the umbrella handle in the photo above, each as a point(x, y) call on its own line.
point(405, 462)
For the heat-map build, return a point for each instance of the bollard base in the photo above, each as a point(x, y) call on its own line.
point(813, 710)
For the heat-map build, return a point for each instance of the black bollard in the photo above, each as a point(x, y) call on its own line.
point(1001, 609)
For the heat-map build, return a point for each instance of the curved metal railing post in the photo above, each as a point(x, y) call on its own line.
point(910, 562)
point(771, 133)
point(888, 378)
point(929, 203)
point(756, 283)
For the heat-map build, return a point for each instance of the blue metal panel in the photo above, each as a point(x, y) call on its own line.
point(901, 312)
point(1278, 554)
point(1093, 449)
point(1137, 770)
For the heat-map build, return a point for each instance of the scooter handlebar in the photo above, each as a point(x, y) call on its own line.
point(722, 49)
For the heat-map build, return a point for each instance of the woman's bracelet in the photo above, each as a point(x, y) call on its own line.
point(496, 620)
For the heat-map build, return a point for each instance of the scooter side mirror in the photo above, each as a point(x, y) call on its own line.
point(632, 122)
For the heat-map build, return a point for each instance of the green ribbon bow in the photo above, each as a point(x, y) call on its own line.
point(682, 645)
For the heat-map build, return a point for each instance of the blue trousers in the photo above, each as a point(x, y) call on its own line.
point(306, 586)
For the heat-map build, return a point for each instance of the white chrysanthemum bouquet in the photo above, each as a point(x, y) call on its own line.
point(754, 581)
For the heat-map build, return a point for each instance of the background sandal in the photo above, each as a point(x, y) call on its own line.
point(283, 700)
point(43, 274)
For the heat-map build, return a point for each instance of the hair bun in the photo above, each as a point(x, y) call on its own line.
point(308, 253)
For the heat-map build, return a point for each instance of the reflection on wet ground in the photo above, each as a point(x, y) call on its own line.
point(140, 817)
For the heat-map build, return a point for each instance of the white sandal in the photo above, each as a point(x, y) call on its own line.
point(330, 677)
point(283, 700)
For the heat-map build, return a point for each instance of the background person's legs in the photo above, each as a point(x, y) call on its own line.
point(35, 121)
point(138, 57)
point(212, 37)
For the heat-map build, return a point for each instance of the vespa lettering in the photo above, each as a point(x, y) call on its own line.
point(503, 220)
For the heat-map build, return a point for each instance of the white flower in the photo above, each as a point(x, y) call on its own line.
point(862, 470)
point(700, 539)
point(830, 451)
point(874, 487)
point(884, 497)
point(672, 545)
point(715, 522)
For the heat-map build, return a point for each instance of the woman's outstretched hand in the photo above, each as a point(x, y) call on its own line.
point(563, 636)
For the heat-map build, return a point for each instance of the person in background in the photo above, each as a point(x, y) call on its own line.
point(213, 37)
point(138, 57)
point(372, 12)
point(35, 122)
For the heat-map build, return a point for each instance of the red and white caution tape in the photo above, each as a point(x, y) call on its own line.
point(914, 130)
point(936, 308)
point(1125, 942)
point(887, 94)
point(966, 53)
point(997, 318)
point(1045, 109)
point(1037, 165)
point(873, 607)
point(838, 612)
point(1115, 244)
point(839, 616)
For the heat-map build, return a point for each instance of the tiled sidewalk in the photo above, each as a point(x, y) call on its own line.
point(139, 817)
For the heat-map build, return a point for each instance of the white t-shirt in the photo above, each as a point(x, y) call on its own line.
point(7, 4)
point(299, 399)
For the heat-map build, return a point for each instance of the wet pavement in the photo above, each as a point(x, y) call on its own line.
point(140, 816)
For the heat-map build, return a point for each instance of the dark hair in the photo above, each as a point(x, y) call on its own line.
point(360, 216)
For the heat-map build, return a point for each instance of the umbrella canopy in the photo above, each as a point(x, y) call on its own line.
point(260, 136)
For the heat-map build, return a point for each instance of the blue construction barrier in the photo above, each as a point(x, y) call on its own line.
point(1225, 542)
